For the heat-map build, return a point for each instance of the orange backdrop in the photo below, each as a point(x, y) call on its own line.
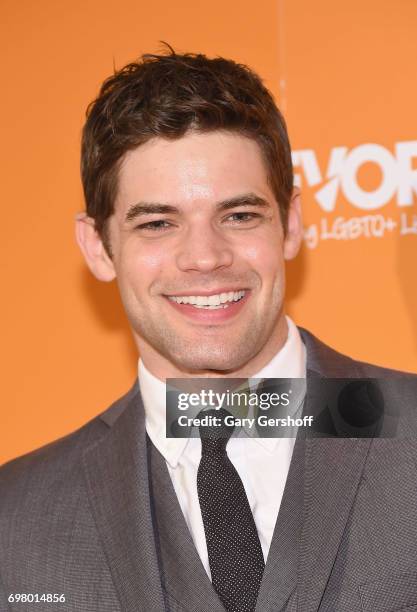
point(344, 74)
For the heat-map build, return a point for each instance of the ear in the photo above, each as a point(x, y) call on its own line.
point(93, 249)
point(294, 235)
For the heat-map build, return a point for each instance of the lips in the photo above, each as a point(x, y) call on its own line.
point(209, 308)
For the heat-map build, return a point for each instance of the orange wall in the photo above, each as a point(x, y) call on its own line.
point(344, 76)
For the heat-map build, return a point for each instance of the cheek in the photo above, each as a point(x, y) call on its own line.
point(265, 257)
point(139, 268)
point(151, 261)
point(142, 257)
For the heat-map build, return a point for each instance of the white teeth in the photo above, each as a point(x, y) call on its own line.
point(214, 300)
point(212, 307)
point(218, 300)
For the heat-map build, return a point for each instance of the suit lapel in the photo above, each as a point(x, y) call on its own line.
point(332, 473)
point(116, 472)
point(280, 575)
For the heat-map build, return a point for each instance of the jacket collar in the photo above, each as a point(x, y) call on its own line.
point(116, 474)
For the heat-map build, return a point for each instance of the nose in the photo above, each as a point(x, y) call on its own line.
point(204, 249)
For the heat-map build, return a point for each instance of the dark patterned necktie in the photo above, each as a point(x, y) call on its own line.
point(234, 550)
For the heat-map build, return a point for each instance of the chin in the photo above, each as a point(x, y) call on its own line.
point(210, 360)
point(204, 354)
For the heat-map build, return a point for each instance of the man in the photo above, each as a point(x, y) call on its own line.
point(188, 182)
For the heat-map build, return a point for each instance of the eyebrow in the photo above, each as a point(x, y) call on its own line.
point(151, 208)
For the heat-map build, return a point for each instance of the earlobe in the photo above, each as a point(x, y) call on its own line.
point(92, 248)
point(294, 234)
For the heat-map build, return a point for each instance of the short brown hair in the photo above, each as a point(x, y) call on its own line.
point(168, 95)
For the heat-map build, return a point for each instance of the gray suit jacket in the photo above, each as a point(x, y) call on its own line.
point(94, 517)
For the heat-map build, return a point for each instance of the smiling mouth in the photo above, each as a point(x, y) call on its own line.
point(210, 302)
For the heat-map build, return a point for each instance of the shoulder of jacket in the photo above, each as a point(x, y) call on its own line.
point(60, 457)
point(328, 362)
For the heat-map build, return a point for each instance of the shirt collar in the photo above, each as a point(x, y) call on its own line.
point(289, 362)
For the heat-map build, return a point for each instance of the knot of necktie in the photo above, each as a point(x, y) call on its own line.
point(215, 431)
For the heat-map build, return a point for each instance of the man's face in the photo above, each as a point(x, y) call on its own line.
point(198, 252)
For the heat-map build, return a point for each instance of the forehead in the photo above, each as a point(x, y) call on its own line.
point(209, 167)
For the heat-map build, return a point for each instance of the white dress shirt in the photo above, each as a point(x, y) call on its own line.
point(262, 463)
